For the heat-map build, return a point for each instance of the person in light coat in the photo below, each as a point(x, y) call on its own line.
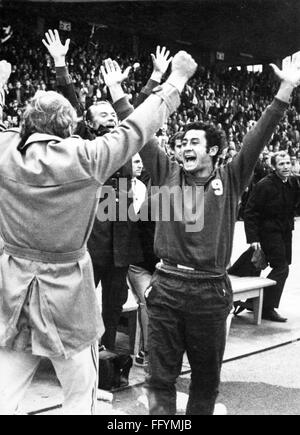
point(49, 193)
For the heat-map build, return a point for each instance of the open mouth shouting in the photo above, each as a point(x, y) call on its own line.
point(189, 159)
point(111, 125)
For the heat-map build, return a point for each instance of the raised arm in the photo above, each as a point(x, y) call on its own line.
point(257, 138)
point(113, 78)
point(109, 152)
point(155, 160)
point(58, 51)
point(161, 61)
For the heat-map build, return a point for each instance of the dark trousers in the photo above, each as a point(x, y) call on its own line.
point(114, 296)
point(186, 313)
point(277, 247)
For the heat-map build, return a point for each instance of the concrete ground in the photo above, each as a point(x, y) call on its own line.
point(260, 372)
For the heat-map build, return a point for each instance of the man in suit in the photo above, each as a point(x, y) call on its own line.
point(269, 222)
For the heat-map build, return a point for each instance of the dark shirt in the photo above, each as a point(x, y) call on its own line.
point(271, 207)
point(209, 247)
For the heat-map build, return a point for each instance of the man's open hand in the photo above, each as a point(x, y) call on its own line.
point(56, 48)
point(289, 74)
point(5, 71)
point(161, 61)
point(112, 73)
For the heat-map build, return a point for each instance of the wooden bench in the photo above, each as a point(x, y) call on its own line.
point(243, 288)
point(251, 288)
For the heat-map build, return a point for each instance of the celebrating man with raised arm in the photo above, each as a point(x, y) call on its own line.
point(48, 191)
point(113, 245)
point(190, 295)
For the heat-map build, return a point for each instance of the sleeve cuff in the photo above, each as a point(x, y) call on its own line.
point(62, 75)
point(169, 94)
point(152, 84)
point(279, 105)
point(121, 105)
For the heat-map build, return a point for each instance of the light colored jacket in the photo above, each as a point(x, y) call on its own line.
point(48, 196)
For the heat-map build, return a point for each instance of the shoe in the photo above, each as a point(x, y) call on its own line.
point(220, 409)
point(141, 359)
point(273, 316)
point(239, 307)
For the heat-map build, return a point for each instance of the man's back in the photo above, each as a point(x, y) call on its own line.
point(48, 195)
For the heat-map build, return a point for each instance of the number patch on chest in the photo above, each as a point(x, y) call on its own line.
point(217, 186)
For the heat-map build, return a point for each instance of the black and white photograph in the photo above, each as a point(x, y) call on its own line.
point(149, 210)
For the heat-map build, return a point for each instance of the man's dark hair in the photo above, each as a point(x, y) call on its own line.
point(214, 136)
point(177, 136)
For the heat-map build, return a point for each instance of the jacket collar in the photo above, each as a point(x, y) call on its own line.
point(34, 138)
point(42, 137)
point(278, 180)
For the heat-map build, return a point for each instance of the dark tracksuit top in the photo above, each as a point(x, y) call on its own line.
point(209, 250)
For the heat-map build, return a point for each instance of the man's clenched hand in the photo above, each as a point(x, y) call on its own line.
point(183, 68)
point(184, 65)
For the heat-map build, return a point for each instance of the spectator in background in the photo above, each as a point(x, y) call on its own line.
point(18, 94)
point(262, 168)
point(163, 138)
point(29, 90)
point(295, 166)
point(13, 114)
point(176, 146)
point(269, 222)
point(139, 277)
point(139, 189)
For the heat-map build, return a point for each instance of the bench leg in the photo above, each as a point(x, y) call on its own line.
point(137, 342)
point(132, 325)
point(258, 306)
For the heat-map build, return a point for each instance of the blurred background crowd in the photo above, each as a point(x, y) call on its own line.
point(232, 98)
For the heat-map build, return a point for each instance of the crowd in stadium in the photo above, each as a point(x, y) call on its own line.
point(233, 99)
